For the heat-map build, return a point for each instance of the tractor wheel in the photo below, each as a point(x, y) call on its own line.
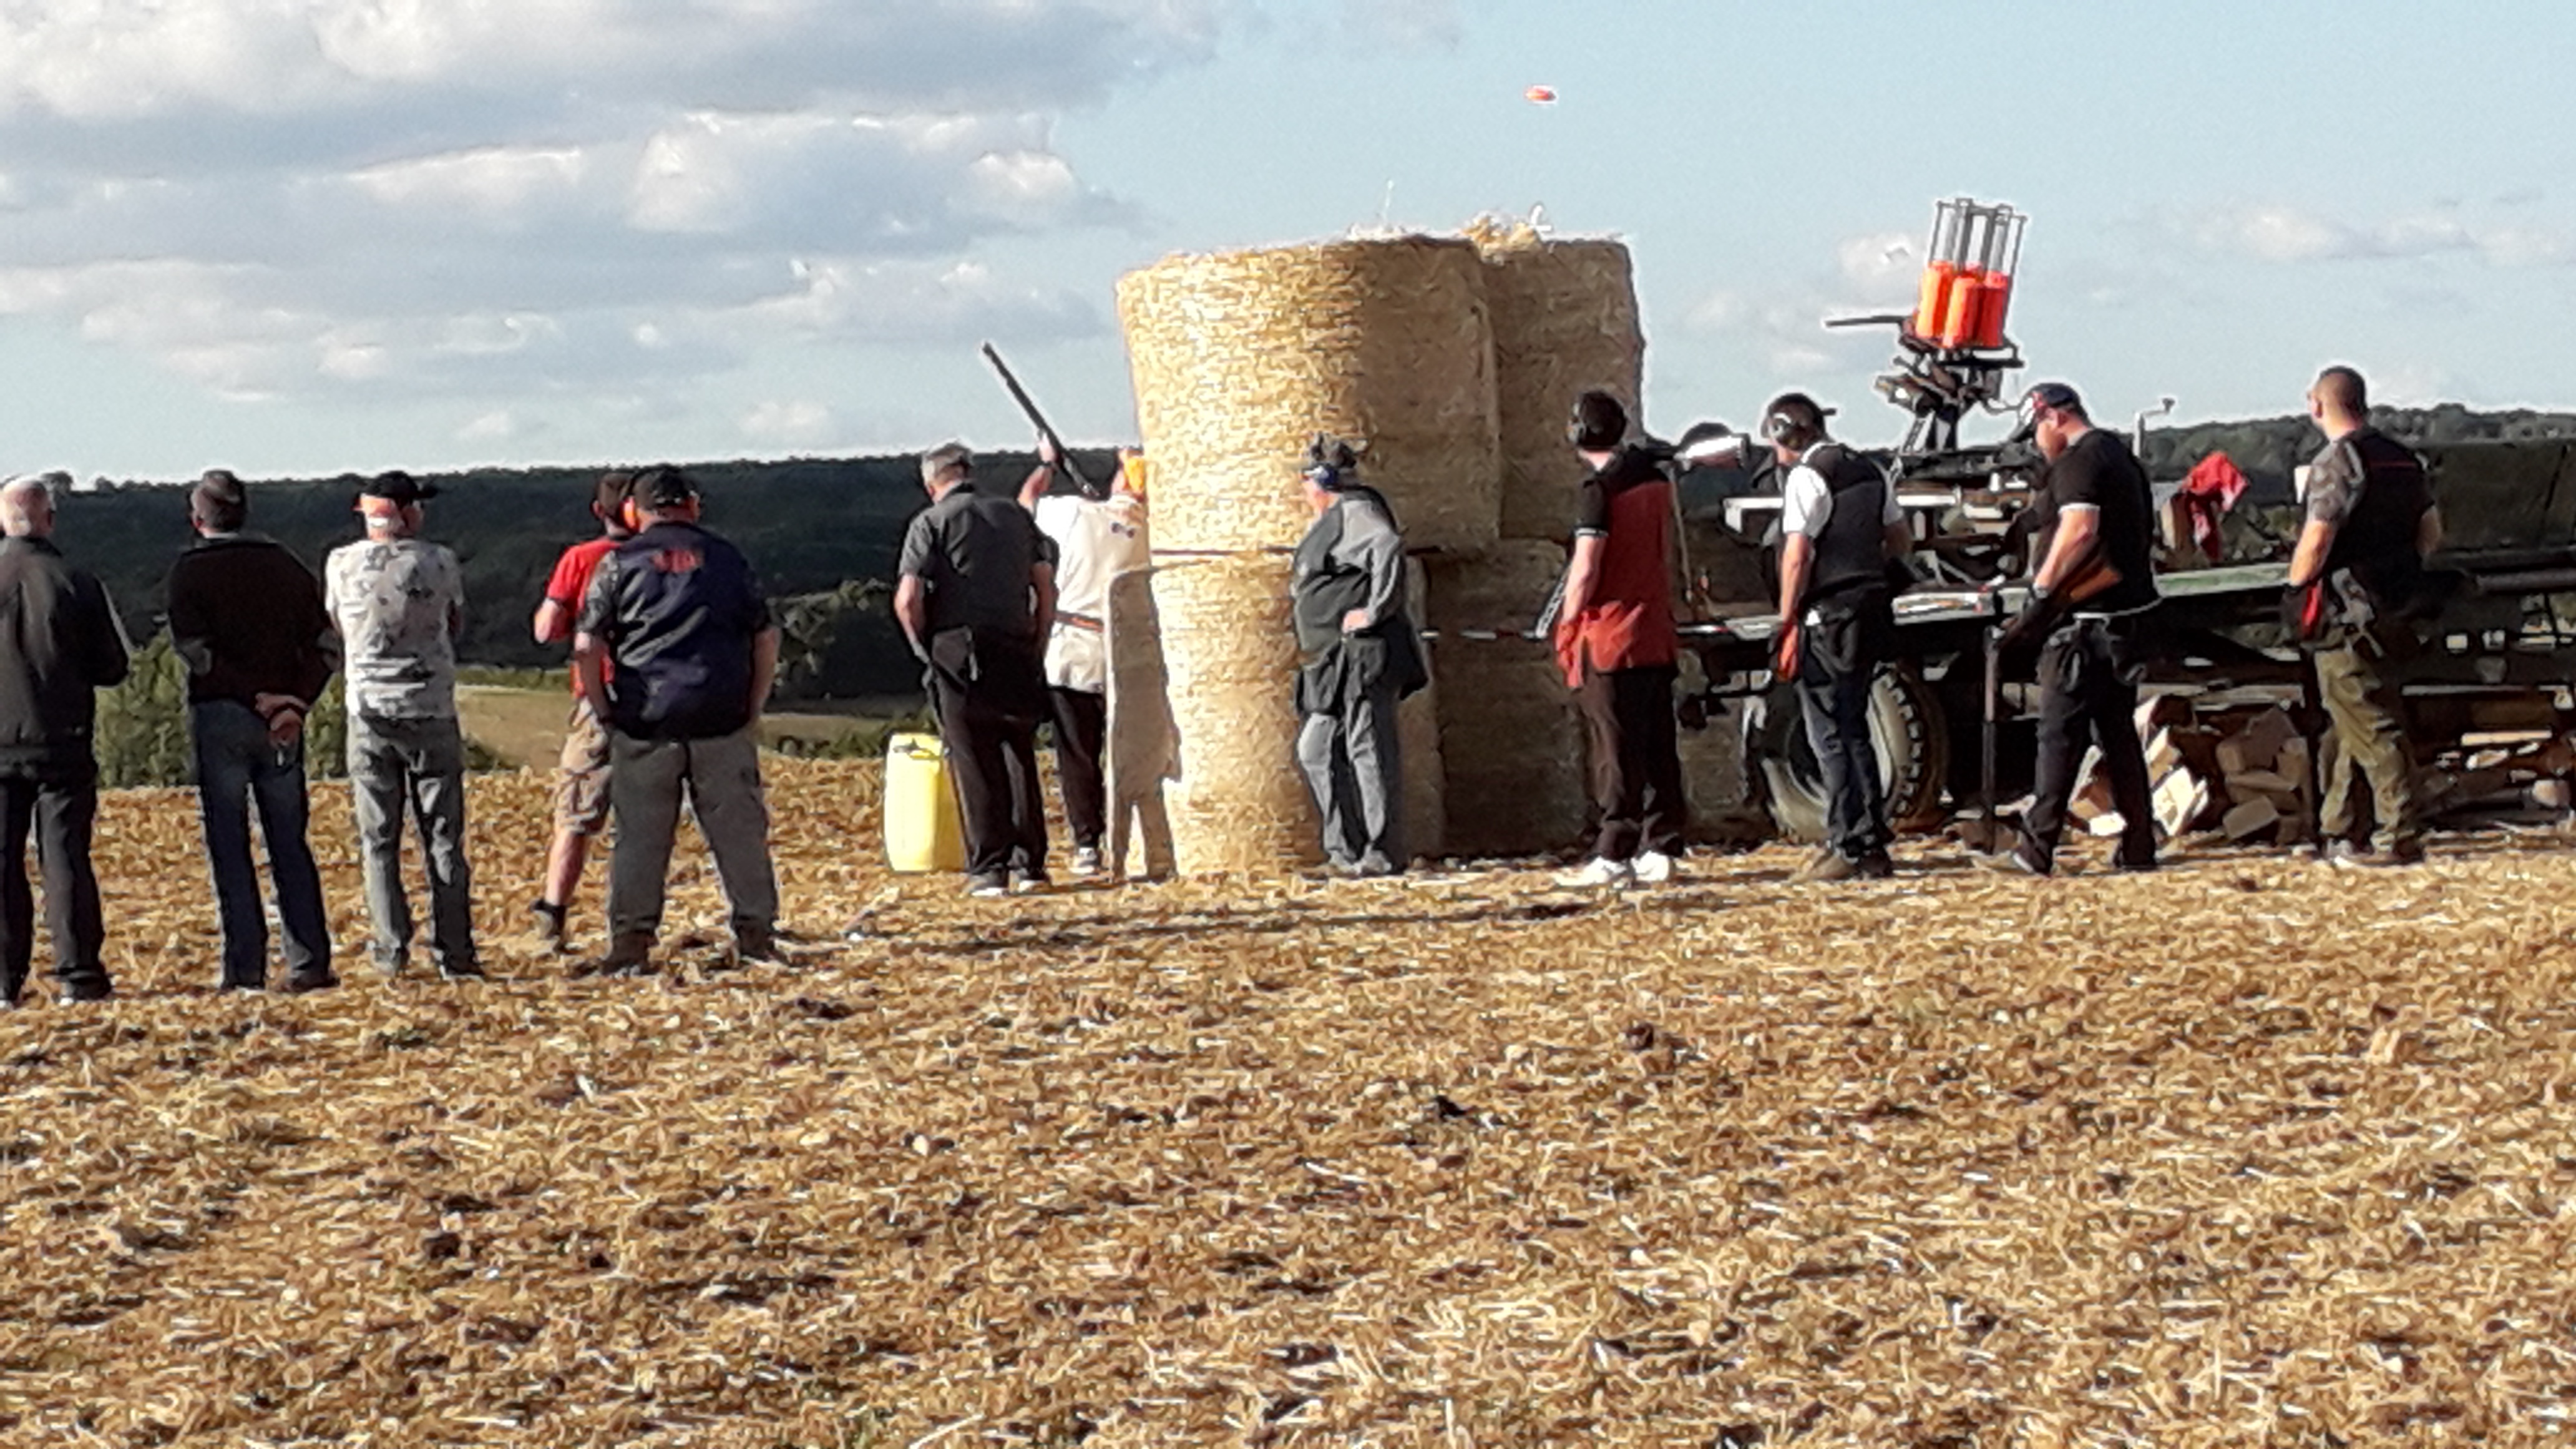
point(1906, 730)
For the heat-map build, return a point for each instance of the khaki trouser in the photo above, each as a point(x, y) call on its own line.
point(2368, 719)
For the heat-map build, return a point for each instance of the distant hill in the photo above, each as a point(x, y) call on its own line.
point(810, 525)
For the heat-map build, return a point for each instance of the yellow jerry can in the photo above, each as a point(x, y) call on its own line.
point(922, 831)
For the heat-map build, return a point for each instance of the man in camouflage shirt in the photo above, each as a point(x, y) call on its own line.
point(399, 603)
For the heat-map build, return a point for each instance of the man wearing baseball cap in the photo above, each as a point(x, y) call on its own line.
point(581, 775)
point(2090, 598)
point(679, 615)
point(399, 603)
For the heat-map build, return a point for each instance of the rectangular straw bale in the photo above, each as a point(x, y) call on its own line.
point(1565, 321)
point(1239, 358)
point(1426, 824)
point(1511, 741)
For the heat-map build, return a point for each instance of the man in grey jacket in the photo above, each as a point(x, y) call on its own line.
point(399, 603)
point(65, 644)
point(1360, 657)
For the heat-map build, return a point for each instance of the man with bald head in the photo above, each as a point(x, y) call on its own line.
point(66, 644)
point(2355, 583)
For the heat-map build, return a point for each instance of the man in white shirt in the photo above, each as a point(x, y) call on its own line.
point(1839, 527)
point(1097, 538)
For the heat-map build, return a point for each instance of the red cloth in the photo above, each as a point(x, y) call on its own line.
point(1629, 623)
point(2209, 491)
point(569, 584)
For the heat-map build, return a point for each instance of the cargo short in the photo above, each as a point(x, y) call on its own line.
point(581, 778)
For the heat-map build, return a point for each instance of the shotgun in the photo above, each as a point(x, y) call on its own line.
point(1046, 430)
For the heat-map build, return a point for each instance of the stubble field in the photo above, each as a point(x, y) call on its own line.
point(2245, 1153)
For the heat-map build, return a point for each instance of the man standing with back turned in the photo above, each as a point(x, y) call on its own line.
point(62, 644)
point(581, 776)
point(678, 614)
point(2089, 601)
point(976, 597)
point(399, 603)
point(2355, 577)
point(1620, 648)
point(246, 615)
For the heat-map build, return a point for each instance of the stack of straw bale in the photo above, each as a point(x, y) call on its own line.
point(1239, 358)
point(1238, 803)
point(1565, 321)
point(1511, 741)
point(1426, 786)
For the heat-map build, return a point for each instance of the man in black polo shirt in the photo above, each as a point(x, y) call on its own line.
point(2353, 583)
point(678, 613)
point(2089, 600)
point(976, 596)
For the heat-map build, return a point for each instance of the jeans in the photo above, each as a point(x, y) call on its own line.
point(237, 768)
point(721, 778)
point(1354, 764)
point(414, 765)
point(60, 805)
point(1836, 704)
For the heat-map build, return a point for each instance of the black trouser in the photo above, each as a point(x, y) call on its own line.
point(1636, 760)
point(988, 694)
point(60, 807)
point(2088, 694)
point(1837, 670)
point(1081, 734)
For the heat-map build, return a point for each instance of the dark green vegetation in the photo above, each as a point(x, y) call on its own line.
point(822, 531)
point(2268, 448)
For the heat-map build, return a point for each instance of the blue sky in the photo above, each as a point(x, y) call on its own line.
point(317, 235)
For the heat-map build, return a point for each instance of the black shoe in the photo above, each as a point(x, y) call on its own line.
point(1874, 866)
point(2347, 856)
point(628, 955)
point(76, 992)
point(758, 944)
point(986, 887)
point(245, 987)
point(462, 971)
point(2016, 861)
point(306, 985)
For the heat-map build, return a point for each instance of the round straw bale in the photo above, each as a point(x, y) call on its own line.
point(1238, 802)
point(1239, 358)
point(1511, 741)
point(1565, 321)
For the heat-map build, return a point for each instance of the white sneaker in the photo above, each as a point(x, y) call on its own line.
point(1612, 874)
point(1653, 867)
point(1086, 862)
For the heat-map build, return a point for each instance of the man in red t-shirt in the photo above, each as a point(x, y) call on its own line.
point(581, 780)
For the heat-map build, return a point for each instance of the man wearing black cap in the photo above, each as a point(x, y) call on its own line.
point(2089, 601)
point(399, 603)
point(1839, 526)
point(677, 649)
point(1618, 644)
point(2354, 582)
point(246, 616)
point(62, 646)
point(976, 596)
point(1360, 657)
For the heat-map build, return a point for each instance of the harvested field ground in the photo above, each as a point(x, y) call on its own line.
point(2247, 1153)
point(527, 726)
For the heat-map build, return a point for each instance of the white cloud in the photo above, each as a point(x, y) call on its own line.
point(498, 426)
point(788, 424)
point(310, 197)
point(1403, 22)
point(2277, 233)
